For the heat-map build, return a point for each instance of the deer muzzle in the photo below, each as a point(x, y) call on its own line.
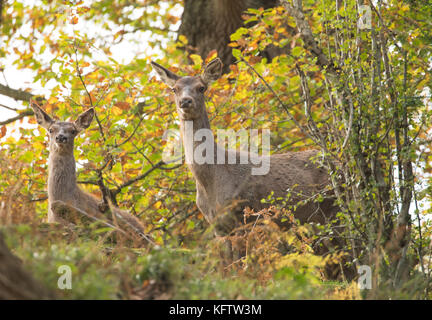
point(186, 103)
point(61, 139)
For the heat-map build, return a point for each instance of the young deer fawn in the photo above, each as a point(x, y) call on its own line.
point(64, 195)
point(224, 189)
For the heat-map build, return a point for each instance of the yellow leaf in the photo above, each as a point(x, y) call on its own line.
point(38, 145)
point(183, 39)
point(52, 100)
point(197, 60)
point(110, 96)
point(405, 8)
point(116, 111)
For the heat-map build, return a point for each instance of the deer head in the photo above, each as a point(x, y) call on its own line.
point(189, 91)
point(62, 134)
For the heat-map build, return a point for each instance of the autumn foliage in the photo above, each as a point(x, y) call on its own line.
point(360, 96)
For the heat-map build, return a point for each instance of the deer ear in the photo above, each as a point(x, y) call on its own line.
point(84, 119)
point(42, 118)
point(168, 77)
point(212, 71)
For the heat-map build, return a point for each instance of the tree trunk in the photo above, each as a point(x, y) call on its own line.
point(15, 282)
point(208, 24)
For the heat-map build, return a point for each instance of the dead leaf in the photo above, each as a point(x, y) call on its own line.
point(122, 105)
point(2, 131)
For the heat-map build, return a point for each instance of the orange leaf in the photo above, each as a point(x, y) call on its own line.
point(52, 100)
point(227, 117)
point(49, 107)
point(212, 55)
point(122, 105)
point(254, 59)
point(2, 131)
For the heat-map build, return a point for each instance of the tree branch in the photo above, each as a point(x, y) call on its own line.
point(1, 12)
point(131, 135)
point(20, 116)
point(159, 165)
point(282, 104)
point(20, 95)
point(9, 108)
point(86, 90)
point(308, 38)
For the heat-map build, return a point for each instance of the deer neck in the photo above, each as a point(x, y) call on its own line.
point(61, 175)
point(191, 129)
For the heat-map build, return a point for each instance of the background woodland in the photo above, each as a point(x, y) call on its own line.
point(306, 70)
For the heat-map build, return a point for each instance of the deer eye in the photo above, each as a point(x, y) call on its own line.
point(74, 132)
point(51, 130)
point(174, 90)
point(201, 89)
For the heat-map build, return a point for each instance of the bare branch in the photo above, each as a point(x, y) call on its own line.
point(308, 38)
point(9, 108)
point(159, 165)
point(1, 12)
point(131, 135)
point(20, 116)
point(20, 95)
point(95, 183)
point(39, 199)
point(86, 90)
point(282, 104)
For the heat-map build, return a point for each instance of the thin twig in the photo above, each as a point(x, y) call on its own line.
point(22, 115)
point(9, 108)
point(131, 135)
point(282, 104)
point(159, 165)
point(86, 90)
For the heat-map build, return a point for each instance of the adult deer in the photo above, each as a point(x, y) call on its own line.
point(223, 187)
point(64, 195)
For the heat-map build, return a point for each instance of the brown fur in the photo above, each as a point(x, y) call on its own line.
point(224, 190)
point(221, 185)
point(62, 186)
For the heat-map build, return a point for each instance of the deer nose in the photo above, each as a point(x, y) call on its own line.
point(61, 138)
point(186, 102)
